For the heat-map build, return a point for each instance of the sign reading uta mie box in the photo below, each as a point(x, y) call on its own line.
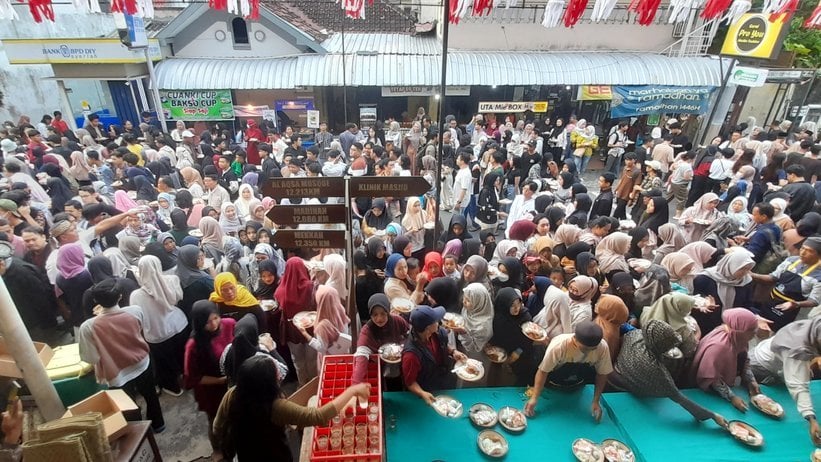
point(307, 214)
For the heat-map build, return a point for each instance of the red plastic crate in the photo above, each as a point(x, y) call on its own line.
point(334, 378)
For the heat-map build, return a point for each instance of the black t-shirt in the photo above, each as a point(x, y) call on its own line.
point(811, 167)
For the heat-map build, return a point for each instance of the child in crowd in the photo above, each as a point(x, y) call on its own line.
point(557, 276)
point(450, 267)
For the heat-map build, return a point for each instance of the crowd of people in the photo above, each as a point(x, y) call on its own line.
point(161, 257)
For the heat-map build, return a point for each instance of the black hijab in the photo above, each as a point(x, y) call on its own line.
point(374, 262)
point(660, 215)
point(619, 282)
point(444, 292)
point(507, 329)
point(377, 222)
point(582, 263)
point(472, 247)
point(200, 312)
point(514, 273)
point(448, 235)
point(167, 260)
point(638, 234)
point(244, 345)
point(266, 291)
point(554, 216)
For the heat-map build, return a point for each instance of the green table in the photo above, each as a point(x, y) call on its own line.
point(660, 429)
point(422, 435)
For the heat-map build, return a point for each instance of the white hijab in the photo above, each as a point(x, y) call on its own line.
point(478, 318)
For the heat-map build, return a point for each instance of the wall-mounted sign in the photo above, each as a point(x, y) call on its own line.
point(197, 104)
point(313, 119)
point(754, 36)
point(425, 90)
point(595, 92)
point(76, 51)
point(638, 100)
point(513, 106)
point(748, 76)
point(294, 105)
point(136, 31)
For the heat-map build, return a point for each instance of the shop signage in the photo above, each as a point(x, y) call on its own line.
point(748, 76)
point(76, 51)
point(595, 93)
point(197, 104)
point(137, 38)
point(513, 106)
point(788, 75)
point(425, 90)
point(638, 100)
point(324, 239)
point(307, 214)
point(754, 36)
point(294, 105)
point(313, 119)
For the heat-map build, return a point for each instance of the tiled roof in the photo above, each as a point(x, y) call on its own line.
point(314, 16)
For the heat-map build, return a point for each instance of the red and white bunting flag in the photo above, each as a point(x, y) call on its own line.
point(553, 13)
point(814, 20)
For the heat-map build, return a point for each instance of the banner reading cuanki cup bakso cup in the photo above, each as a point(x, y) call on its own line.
point(197, 104)
point(638, 100)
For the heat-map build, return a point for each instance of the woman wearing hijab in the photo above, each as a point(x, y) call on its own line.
point(73, 280)
point(583, 203)
point(655, 214)
point(477, 309)
point(508, 316)
point(212, 239)
point(674, 309)
point(230, 220)
point(336, 267)
point(611, 253)
point(366, 283)
point(475, 270)
point(487, 213)
point(506, 248)
point(721, 357)
point(640, 368)
point(100, 269)
point(787, 358)
point(565, 236)
point(702, 253)
point(413, 224)
point(57, 187)
point(165, 326)
point(639, 242)
point(294, 294)
point(555, 315)
point(235, 300)
point(196, 284)
point(671, 239)
point(681, 269)
point(562, 194)
point(728, 283)
point(168, 261)
point(444, 292)
point(622, 286)
point(737, 210)
point(377, 254)
point(402, 246)
point(432, 268)
point(452, 247)
point(331, 322)
point(611, 316)
point(376, 218)
point(243, 202)
point(382, 327)
point(510, 274)
point(397, 284)
point(246, 344)
point(654, 283)
point(781, 219)
point(581, 290)
point(586, 264)
point(457, 229)
point(210, 334)
point(699, 216)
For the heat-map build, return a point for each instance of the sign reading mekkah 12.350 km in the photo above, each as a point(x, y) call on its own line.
point(197, 104)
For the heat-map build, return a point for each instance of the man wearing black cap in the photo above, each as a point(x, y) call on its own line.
point(427, 359)
point(603, 205)
point(572, 359)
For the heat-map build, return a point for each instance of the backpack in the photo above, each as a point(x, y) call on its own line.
point(773, 257)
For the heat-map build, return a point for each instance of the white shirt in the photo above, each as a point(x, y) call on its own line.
point(721, 169)
point(464, 181)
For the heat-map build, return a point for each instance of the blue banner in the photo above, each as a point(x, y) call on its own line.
point(638, 100)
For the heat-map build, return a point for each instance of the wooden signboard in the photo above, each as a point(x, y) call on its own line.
point(388, 186)
point(308, 214)
point(310, 239)
point(304, 187)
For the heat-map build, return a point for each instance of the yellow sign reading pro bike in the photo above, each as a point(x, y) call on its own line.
point(754, 36)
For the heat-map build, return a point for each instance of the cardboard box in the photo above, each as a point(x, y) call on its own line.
point(111, 404)
point(8, 366)
point(305, 392)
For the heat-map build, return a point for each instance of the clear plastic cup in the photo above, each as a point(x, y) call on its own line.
point(336, 442)
point(347, 428)
point(322, 443)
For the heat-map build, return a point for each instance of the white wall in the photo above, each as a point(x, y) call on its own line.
point(535, 37)
point(201, 41)
point(758, 103)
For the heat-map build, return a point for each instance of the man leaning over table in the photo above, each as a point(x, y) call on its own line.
point(570, 355)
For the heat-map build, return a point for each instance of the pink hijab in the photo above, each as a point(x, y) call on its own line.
point(71, 260)
point(329, 306)
point(123, 202)
point(717, 353)
point(700, 251)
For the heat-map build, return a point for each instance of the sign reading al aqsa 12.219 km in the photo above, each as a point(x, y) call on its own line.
point(755, 36)
point(197, 104)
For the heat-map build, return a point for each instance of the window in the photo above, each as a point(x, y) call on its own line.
point(240, 30)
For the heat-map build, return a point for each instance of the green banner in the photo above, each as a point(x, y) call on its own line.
point(197, 104)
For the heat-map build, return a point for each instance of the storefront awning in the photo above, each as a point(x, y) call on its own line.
point(464, 68)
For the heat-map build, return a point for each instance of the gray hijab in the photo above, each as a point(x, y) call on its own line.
point(187, 269)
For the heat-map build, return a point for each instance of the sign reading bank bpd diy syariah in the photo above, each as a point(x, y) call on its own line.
point(638, 100)
point(513, 106)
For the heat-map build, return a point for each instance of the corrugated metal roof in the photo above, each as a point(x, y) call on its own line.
point(384, 44)
point(464, 68)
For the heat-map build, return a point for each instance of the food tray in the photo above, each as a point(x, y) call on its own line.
point(453, 411)
point(616, 451)
point(463, 373)
point(493, 436)
point(390, 346)
point(334, 378)
point(585, 450)
point(305, 319)
point(504, 414)
point(487, 411)
point(495, 354)
point(531, 326)
point(767, 405)
point(754, 437)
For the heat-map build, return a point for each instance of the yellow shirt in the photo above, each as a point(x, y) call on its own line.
point(137, 150)
point(563, 350)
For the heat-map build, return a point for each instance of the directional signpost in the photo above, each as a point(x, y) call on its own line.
point(323, 214)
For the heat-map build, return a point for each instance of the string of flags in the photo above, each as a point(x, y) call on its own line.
point(568, 12)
